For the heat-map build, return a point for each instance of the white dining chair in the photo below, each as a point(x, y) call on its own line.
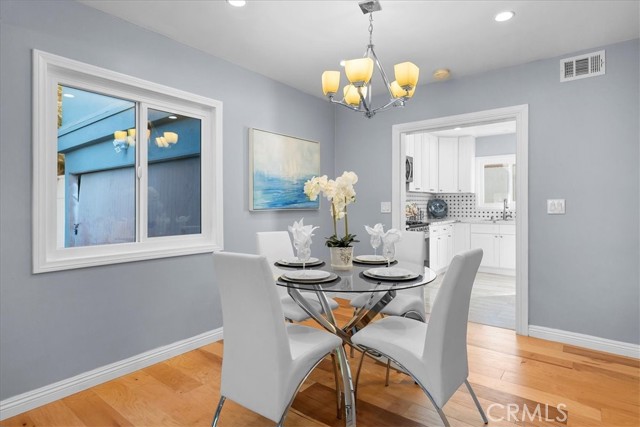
point(265, 360)
point(433, 354)
point(276, 245)
point(411, 248)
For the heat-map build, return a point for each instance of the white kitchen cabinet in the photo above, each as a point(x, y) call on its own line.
point(498, 242)
point(440, 246)
point(442, 164)
point(489, 245)
point(448, 165)
point(430, 162)
point(461, 237)
point(415, 147)
point(466, 164)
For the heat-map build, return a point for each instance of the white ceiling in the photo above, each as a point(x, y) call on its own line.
point(295, 41)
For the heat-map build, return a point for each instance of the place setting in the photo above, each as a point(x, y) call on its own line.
point(376, 234)
point(388, 241)
point(302, 243)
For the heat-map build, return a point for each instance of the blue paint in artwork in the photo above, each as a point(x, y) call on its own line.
point(272, 192)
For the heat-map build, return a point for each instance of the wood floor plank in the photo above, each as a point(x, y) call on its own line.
point(599, 390)
point(93, 411)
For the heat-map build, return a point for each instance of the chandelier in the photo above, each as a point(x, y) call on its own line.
point(358, 93)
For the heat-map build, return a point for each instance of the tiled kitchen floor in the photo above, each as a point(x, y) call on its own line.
point(493, 299)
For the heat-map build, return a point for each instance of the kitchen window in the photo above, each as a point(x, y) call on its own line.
point(124, 169)
point(496, 181)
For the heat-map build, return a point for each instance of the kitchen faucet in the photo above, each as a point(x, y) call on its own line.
point(505, 206)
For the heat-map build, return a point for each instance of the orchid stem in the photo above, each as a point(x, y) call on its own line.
point(335, 227)
point(346, 221)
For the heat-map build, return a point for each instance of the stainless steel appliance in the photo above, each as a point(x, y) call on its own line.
point(408, 165)
point(421, 226)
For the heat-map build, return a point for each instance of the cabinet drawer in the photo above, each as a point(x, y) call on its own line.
point(486, 228)
point(507, 229)
point(437, 230)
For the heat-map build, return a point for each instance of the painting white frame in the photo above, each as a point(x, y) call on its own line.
point(293, 155)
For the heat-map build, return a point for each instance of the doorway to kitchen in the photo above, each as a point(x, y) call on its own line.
point(480, 191)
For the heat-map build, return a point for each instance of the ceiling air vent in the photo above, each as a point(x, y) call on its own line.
point(579, 67)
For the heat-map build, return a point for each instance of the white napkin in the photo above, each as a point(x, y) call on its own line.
point(377, 230)
point(391, 237)
point(301, 234)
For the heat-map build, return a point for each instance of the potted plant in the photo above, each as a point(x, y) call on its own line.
point(340, 193)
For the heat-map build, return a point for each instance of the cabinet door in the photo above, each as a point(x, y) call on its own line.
point(447, 165)
point(461, 237)
point(508, 251)
point(418, 166)
point(434, 260)
point(489, 243)
point(449, 246)
point(466, 164)
point(430, 163)
point(442, 251)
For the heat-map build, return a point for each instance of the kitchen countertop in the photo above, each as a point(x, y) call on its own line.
point(445, 221)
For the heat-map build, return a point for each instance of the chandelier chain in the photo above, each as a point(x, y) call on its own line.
point(370, 28)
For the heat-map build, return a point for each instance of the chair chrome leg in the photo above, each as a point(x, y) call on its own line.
point(216, 417)
point(476, 401)
point(443, 417)
point(355, 388)
point(386, 380)
point(338, 394)
point(295, 393)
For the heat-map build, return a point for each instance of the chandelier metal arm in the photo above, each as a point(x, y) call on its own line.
point(387, 83)
point(403, 87)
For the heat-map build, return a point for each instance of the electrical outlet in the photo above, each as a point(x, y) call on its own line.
point(555, 206)
point(385, 207)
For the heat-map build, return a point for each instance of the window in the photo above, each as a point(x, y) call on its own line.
point(496, 181)
point(124, 169)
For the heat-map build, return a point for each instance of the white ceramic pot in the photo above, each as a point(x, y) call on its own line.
point(341, 258)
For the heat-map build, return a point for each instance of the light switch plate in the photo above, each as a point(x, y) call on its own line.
point(385, 207)
point(555, 206)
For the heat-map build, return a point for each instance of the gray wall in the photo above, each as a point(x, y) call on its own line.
point(496, 145)
point(57, 325)
point(583, 146)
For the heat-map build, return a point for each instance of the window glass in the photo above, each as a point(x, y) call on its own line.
point(496, 182)
point(96, 182)
point(174, 194)
point(124, 169)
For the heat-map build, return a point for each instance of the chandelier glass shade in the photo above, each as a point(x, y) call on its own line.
point(357, 94)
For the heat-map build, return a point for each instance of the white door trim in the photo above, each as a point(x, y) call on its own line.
point(519, 113)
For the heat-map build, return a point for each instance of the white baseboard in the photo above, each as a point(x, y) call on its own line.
point(32, 399)
point(586, 341)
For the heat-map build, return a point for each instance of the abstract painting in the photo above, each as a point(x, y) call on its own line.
point(279, 165)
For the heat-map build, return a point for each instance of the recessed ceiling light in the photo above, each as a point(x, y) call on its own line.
point(237, 3)
point(342, 63)
point(505, 16)
point(173, 117)
point(458, 128)
point(68, 95)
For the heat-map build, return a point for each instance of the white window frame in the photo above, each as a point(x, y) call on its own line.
point(50, 70)
point(480, 163)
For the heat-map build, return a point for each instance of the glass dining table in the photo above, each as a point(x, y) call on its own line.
point(380, 282)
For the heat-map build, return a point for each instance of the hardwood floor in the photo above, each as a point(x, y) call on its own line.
point(581, 388)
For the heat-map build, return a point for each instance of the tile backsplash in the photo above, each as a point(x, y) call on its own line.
point(462, 206)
